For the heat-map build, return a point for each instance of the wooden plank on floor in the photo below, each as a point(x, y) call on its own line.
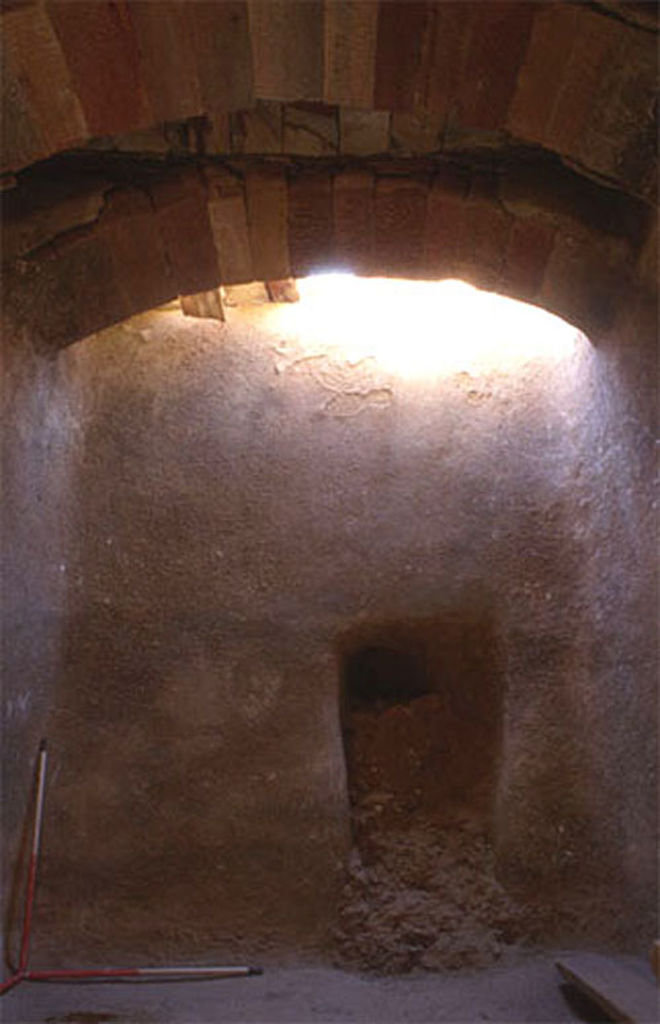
point(624, 993)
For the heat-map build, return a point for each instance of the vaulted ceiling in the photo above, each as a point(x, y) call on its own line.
point(205, 141)
point(575, 78)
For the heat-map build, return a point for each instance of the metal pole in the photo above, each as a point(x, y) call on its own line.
point(34, 859)
point(10, 982)
point(22, 972)
point(132, 973)
point(30, 889)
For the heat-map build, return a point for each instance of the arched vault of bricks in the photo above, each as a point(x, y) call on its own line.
point(152, 150)
point(207, 543)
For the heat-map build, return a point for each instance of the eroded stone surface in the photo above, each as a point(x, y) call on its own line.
point(195, 517)
point(224, 532)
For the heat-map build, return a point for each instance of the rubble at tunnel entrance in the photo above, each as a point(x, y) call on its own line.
point(421, 732)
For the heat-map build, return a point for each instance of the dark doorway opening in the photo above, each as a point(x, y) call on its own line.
point(421, 704)
point(377, 676)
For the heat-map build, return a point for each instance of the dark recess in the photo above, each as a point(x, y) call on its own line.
point(377, 677)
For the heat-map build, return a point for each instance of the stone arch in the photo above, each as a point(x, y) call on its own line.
point(217, 143)
point(161, 150)
point(240, 76)
point(96, 251)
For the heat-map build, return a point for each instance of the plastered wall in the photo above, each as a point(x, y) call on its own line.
point(227, 510)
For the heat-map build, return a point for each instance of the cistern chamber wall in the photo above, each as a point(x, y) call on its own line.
point(309, 635)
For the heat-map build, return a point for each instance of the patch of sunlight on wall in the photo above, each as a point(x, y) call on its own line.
point(422, 329)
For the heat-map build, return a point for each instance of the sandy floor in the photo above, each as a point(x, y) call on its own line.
point(529, 991)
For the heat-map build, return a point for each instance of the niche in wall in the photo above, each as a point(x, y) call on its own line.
point(421, 706)
point(421, 714)
point(379, 676)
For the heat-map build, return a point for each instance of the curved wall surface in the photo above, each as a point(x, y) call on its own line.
point(225, 514)
point(200, 530)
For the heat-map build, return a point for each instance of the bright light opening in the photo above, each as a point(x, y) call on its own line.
point(421, 329)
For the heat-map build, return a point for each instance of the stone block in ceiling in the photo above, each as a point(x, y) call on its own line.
point(495, 50)
point(34, 69)
point(445, 218)
point(181, 205)
point(258, 130)
point(68, 292)
point(351, 28)
point(215, 133)
point(482, 241)
point(28, 225)
point(449, 31)
point(23, 141)
point(223, 54)
point(466, 237)
point(586, 89)
point(594, 46)
point(287, 49)
point(172, 84)
point(420, 132)
point(399, 218)
point(310, 130)
point(310, 222)
point(620, 136)
point(353, 193)
point(401, 42)
point(101, 52)
point(540, 73)
point(586, 278)
point(204, 305)
point(529, 247)
point(142, 273)
point(364, 132)
point(228, 215)
point(267, 219)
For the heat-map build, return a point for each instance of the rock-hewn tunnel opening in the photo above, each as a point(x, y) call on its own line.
point(379, 676)
point(422, 708)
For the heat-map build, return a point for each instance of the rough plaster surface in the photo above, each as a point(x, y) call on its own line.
point(233, 514)
point(39, 455)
